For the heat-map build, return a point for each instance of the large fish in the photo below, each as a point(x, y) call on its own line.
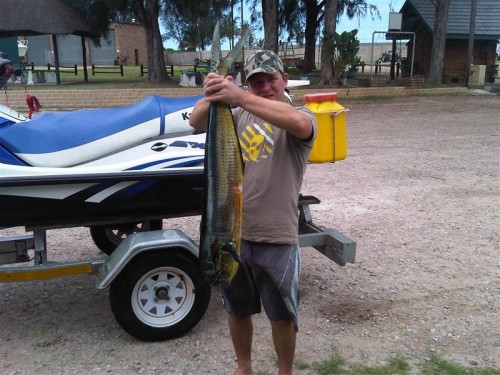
point(222, 206)
point(221, 216)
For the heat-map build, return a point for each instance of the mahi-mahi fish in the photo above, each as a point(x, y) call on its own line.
point(222, 206)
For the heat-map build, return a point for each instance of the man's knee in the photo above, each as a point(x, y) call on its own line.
point(282, 324)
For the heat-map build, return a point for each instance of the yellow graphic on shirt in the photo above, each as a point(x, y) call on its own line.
point(256, 142)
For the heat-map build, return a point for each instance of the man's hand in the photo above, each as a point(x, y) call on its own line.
point(222, 89)
point(216, 89)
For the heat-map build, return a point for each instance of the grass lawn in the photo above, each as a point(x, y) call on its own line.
point(132, 78)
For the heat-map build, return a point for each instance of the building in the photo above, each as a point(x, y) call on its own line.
point(124, 44)
point(418, 17)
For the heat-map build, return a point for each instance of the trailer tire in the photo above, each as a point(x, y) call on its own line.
point(108, 237)
point(159, 296)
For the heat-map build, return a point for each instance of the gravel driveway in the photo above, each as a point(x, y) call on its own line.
point(419, 192)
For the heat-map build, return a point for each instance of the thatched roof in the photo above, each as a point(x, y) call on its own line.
point(40, 17)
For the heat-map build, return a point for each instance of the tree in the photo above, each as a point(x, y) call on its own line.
point(438, 41)
point(328, 46)
point(292, 20)
point(313, 19)
point(345, 56)
point(148, 12)
point(270, 18)
point(314, 16)
point(96, 13)
point(191, 24)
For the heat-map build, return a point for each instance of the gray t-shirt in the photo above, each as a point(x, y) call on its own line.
point(275, 163)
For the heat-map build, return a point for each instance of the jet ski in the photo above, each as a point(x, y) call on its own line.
point(112, 168)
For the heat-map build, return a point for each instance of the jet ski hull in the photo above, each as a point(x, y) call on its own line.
point(85, 200)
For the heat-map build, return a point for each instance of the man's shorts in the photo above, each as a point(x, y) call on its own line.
point(268, 274)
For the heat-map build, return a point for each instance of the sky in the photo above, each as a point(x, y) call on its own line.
point(366, 26)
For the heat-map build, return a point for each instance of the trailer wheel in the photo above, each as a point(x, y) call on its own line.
point(160, 296)
point(108, 237)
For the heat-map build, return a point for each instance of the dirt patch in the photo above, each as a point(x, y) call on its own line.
point(418, 192)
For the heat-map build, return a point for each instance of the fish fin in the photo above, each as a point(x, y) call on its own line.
point(230, 248)
point(231, 57)
point(216, 53)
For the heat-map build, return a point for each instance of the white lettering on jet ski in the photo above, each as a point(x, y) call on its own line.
point(160, 146)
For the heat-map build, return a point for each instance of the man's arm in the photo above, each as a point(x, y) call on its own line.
point(199, 117)
point(280, 114)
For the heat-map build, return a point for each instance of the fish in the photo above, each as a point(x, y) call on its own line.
point(222, 205)
point(220, 228)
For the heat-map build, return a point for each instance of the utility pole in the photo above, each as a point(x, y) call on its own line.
point(470, 46)
point(242, 33)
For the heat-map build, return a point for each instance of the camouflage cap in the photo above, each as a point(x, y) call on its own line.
point(264, 61)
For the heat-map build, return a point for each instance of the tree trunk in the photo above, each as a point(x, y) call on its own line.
point(56, 58)
point(148, 12)
point(157, 71)
point(328, 47)
point(438, 42)
point(270, 19)
point(84, 58)
point(312, 11)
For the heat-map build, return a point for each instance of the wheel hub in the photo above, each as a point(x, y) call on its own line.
point(162, 293)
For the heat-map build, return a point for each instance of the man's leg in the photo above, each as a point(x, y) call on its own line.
point(284, 337)
point(241, 335)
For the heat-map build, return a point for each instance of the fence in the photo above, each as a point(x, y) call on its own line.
point(62, 69)
point(115, 69)
point(144, 68)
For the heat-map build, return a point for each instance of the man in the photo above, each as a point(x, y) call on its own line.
point(6, 70)
point(275, 139)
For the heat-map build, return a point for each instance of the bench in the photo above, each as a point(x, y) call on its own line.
point(37, 75)
point(188, 79)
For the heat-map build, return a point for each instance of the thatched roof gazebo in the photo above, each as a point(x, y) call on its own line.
point(35, 17)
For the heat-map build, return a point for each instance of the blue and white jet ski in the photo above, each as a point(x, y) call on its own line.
point(109, 169)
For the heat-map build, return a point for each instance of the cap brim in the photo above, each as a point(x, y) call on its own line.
point(267, 70)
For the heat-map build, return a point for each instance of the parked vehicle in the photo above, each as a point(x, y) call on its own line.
point(119, 171)
point(387, 56)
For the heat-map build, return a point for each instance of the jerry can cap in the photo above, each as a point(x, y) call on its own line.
point(321, 97)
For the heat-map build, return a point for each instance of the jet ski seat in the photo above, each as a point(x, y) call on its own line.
point(64, 139)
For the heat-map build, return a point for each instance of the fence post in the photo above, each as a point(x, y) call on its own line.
point(93, 69)
point(76, 70)
point(121, 70)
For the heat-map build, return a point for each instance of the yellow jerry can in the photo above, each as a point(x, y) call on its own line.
point(331, 139)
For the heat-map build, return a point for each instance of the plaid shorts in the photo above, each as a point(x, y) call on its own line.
point(267, 276)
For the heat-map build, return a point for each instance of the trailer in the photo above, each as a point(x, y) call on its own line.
point(156, 287)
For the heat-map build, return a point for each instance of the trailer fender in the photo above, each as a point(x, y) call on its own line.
point(139, 243)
